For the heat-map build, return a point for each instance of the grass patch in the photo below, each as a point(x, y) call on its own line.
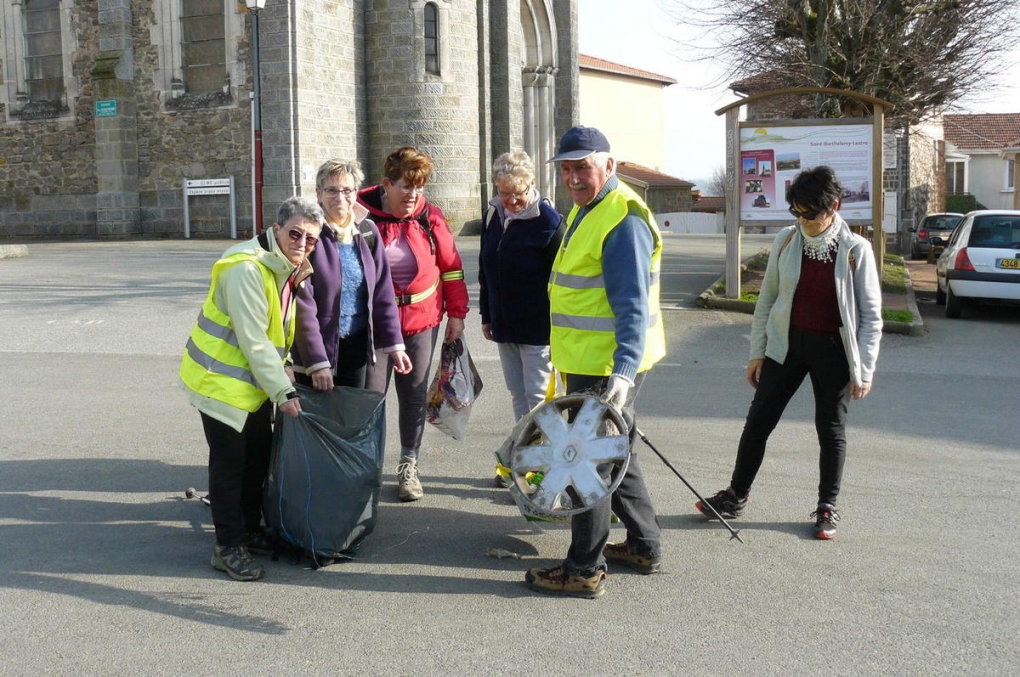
point(897, 316)
point(758, 262)
point(894, 275)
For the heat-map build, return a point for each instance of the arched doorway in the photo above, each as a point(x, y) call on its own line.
point(538, 80)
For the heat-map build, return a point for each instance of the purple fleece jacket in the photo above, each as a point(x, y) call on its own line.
point(318, 304)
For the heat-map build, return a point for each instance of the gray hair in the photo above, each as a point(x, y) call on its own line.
point(516, 167)
point(338, 167)
point(300, 206)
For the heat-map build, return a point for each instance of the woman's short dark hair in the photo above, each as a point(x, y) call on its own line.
point(815, 189)
point(410, 164)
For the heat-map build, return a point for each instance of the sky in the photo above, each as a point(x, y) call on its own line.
point(637, 33)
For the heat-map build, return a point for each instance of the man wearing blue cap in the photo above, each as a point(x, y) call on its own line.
point(606, 334)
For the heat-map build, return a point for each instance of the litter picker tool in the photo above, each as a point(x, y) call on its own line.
point(734, 534)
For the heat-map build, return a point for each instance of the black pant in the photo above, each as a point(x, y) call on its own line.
point(352, 362)
point(822, 357)
point(589, 531)
point(411, 388)
point(238, 463)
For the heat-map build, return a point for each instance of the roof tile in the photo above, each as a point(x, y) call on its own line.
point(596, 64)
point(648, 176)
point(984, 131)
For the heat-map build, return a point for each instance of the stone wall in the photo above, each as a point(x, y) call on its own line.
point(340, 78)
point(47, 167)
point(189, 143)
point(438, 114)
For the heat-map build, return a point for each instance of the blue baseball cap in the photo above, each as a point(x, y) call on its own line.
point(579, 142)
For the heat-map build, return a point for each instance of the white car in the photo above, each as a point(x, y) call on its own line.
point(981, 260)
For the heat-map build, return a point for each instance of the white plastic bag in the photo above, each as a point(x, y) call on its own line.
point(454, 389)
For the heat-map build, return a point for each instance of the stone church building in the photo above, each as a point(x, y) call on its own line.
point(108, 106)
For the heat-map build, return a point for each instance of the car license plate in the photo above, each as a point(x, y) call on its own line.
point(1013, 264)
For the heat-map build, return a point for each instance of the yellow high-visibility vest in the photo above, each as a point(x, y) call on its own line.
point(213, 363)
point(583, 336)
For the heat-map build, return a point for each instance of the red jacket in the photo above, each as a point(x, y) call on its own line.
point(437, 259)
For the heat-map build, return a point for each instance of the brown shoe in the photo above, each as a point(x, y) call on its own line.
point(619, 553)
point(556, 581)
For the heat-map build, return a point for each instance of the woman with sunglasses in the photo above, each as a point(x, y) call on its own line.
point(346, 310)
point(428, 281)
point(520, 238)
point(819, 314)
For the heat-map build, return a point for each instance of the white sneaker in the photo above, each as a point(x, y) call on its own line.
point(408, 485)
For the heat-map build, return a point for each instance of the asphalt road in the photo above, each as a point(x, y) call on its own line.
point(104, 565)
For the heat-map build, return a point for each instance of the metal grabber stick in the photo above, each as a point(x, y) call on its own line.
point(734, 534)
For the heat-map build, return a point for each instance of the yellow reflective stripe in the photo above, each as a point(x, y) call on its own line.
point(587, 323)
point(578, 281)
point(208, 363)
point(452, 275)
point(407, 299)
point(226, 334)
point(583, 323)
point(589, 281)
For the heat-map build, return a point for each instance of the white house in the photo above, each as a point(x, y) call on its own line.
point(982, 157)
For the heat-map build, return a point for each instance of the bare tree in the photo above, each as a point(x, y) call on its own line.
point(921, 55)
point(717, 184)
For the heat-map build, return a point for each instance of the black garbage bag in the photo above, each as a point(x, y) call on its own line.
point(325, 472)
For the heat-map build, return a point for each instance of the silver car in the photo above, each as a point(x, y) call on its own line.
point(981, 260)
point(933, 225)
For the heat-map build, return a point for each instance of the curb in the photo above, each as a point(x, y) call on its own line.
point(13, 251)
point(916, 326)
point(709, 299)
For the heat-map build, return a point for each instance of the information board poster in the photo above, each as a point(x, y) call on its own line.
point(771, 156)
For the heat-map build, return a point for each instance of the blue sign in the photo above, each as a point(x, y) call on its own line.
point(106, 108)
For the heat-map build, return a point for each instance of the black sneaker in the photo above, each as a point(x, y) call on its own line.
point(261, 542)
point(237, 562)
point(825, 521)
point(725, 503)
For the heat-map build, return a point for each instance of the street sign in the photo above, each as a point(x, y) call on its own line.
point(106, 108)
point(210, 187)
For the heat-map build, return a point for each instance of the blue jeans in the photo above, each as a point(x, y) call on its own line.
point(631, 501)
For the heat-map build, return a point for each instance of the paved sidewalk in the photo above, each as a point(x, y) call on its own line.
point(104, 565)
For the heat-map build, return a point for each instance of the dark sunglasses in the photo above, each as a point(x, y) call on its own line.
point(807, 216)
point(296, 235)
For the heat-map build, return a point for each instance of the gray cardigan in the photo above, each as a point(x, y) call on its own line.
point(858, 295)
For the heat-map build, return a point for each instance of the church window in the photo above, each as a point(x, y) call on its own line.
point(37, 62)
point(204, 52)
point(197, 45)
point(431, 24)
point(44, 71)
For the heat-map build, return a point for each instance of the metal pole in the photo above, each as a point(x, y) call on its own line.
point(187, 216)
point(233, 210)
point(733, 203)
point(733, 533)
point(256, 112)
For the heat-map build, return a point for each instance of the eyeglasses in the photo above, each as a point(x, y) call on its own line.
point(807, 216)
point(296, 235)
point(334, 192)
point(519, 195)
